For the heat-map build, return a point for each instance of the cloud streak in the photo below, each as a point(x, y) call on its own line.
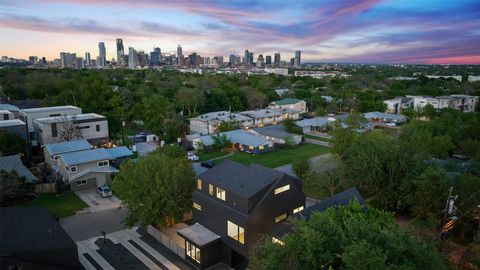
point(355, 31)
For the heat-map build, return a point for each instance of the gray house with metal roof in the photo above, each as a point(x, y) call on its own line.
point(14, 163)
point(237, 203)
point(90, 168)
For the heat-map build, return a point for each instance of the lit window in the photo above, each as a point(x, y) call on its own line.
point(210, 189)
point(221, 194)
point(261, 147)
point(73, 168)
point(236, 232)
point(280, 218)
point(277, 241)
point(197, 206)
point(250, 147)
point(298, 209)
point(282, 189)
point(193, 252)
point(199, 184)
point(103, 163)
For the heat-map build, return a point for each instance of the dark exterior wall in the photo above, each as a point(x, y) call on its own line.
point(51, 259)
point(214, 216)
point(232, 200)
point(210, 255)
point(262, 218)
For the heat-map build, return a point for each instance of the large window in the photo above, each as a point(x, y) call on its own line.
point(193, 252)
point(298, 209)
point(73, 168)
point(221, 194)
point(210, 189)
point(98, 128)
point(282, 189)
point(199, 184)
point(280, 218)
point(236, 232)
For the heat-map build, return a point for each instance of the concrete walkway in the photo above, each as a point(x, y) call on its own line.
point(123, 237)
point(95, 202)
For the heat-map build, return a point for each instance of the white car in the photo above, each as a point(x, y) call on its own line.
point(192, 157)
point(391, 124)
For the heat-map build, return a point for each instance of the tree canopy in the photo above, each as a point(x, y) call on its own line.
point(348, 237)
point(156, 189)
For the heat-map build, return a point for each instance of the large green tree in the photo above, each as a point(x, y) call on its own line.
point(12, 186)
point(349, 237)
point(11, 144)
point(156, 189)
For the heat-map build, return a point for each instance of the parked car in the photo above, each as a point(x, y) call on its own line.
point(192, 157)
point(104, 191)
point(208, 164)
point(391, 124)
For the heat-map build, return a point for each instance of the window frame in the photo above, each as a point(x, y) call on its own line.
point(72, 168)
point(239, 235)
point(199, 184)
point(211, 189)
point(298, 209)
point(220, 193)
point(192, 251)
point(281, 189)
point(106, 162)
point(79, 183)
point(280, 218)
point(197, 206)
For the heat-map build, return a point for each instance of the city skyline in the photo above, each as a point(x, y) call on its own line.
point(429, 32)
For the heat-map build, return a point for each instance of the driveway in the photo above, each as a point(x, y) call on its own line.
point(144, 148)
point(127, 249)
point(198, 168)
point(87, 225)
point(95, 202)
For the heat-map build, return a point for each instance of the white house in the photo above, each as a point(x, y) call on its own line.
point(396, 105)
point(6, 115)
point(290, 103)
point(28, 115)
point(52, 151)
point(464, 103)
point(240, 139)
point(208, 123)
point(89, 126)
point(271, 116)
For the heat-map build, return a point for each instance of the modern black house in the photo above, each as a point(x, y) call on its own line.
point(31, 238)
point(233, 205)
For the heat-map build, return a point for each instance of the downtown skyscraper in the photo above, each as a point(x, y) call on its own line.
point(120, 50)
point(298, 60)
point(180, 58)
point(276, 60)
point(102, 55)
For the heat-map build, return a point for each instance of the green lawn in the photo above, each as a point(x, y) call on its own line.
point(62, 205)
point(280, 157)
point(210, 155)
point(317, 138)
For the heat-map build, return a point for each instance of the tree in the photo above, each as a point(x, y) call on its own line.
point(156, 189)
point(67, 129)
point(227, 126)
point(301, 167)
point(256, 99)
point(12, 186)
point(342, 139)
point(428, 199)
point(429, 111)
point(291, 127)
point(220, 142)
point(155, 110)
point(325, 183)
point(347, 238)
point(11, 144)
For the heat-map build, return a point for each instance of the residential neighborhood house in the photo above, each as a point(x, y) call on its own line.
point(15, 126)
point(233, 206)
point(90, 126)
point(277, 134)
point(289, 103)
point(28, 115)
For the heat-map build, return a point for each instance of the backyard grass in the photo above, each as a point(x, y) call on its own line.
point(210, 155)
point(317, 138)
point(279, 157)
point(62, 205)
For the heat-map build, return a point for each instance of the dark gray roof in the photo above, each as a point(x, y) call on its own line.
point(14, 163)
point(243, 180)
point(31, 229)
point(339, 199)
point(277, 131)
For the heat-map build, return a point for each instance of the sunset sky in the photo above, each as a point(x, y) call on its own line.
point(371, 31)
